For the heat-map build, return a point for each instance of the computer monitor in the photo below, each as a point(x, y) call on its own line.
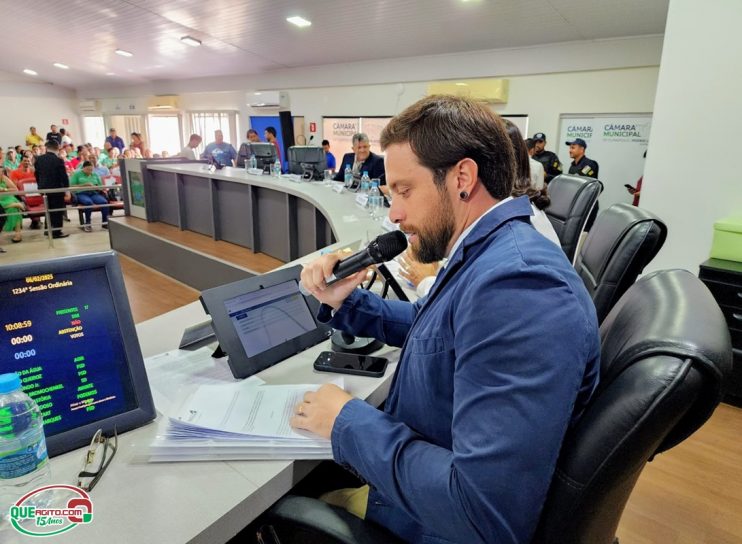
point(67, 330)
point(265, 153)
point(307, 161)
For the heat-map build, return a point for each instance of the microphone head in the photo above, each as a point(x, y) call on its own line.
point(388, 245)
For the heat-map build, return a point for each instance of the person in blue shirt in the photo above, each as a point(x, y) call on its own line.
point(220, 151)
point(497, 361)
point(331, 163)
point(115, 140)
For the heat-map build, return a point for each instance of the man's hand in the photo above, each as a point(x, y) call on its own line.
point(413, 270)
point(313, 279)
point(319, 410)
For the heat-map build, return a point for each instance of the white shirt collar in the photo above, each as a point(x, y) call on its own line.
point(470, 228)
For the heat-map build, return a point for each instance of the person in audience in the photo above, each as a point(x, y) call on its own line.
point(551, 163)
point(137, 142)
point(362, 160)
point(66, 139)
point(128, 154)
point(12, 160)
point(50, 174)
point(220, 151)
point(11, 206)
point(500, 359)
point(98, 168)
point(54, 136)
point(271, 137)
point(104, 157)
point(88, 178)
point(331, 162)
point(67, 163)
point(36, 150)
point(252, 136)
point(148, 154)
point(18, 151)
point(189, 151)
point(137, 153)
point(83, 156)
point(42, 149)
point(537, 169)
point(24, 171)
point(33, 138)
point(115, 140)
point(164, 154)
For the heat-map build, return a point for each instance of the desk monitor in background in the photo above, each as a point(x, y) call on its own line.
point(263, 320)
point(307, 161)
point(66, 328)
point(265, 153)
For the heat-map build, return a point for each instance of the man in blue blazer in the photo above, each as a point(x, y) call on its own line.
point(362, 160)
point(497, 361)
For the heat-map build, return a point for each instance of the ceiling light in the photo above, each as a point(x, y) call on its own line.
point(124, 53)
point(257, 94)
point(193, 42)
point(462, 84)
point(62, 66)
point(301, 22)
point(110, 74)
point(30, 72)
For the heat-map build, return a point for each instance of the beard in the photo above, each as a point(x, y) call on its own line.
point(433, 240)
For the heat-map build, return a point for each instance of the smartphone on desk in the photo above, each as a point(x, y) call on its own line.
point(349, 363)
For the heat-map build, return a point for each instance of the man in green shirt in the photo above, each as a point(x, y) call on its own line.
point(85, 177)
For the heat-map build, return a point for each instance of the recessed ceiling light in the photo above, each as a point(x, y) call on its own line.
point(462, 84)
point(193, 42)
point(29, 72)
point(301, 22)
point(257, 94)
point(110, 74)
point(124, 53)
point(62, 66)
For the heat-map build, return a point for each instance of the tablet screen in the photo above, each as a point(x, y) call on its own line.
point(266, 318)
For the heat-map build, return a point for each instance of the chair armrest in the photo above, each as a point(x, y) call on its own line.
point(307, 520)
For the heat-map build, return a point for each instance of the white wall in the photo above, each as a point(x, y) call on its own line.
point(692, 175)
point(35, 104)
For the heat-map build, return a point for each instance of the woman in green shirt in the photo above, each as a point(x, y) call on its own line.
point(11, 206)
point(12, 160)
point(85, 177)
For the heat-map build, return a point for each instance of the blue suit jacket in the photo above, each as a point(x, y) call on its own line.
point(497, 362)
point(374, 165)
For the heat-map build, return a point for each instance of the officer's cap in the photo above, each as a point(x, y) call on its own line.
point(578, 141)
point(539, 137)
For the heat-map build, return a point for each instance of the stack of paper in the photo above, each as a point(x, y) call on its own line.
point(244, 420)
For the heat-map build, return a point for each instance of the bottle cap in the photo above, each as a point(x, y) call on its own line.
point(9, 382)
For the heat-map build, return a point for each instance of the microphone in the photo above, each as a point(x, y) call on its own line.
point(383, 248)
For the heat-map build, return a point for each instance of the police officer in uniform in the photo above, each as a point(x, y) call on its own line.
point(582, 166)
point(552, 165)
point(51, 174)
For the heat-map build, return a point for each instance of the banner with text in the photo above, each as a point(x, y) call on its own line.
point(616, 142)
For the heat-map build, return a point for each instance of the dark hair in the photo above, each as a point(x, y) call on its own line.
point(530, 143)
point(522, 185)
point(63, 130)
point(442, 130)
point(271, 130)
point(252, 131)
point(325, 142)
point(53, 145)
point(86, 164)
point(80, 148)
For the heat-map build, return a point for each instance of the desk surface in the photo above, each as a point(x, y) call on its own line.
point(202, 502)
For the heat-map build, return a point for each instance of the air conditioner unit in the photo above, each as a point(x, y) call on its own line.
point(269, 100)
point(163, 103)
point(491, 90)
point(87, 107)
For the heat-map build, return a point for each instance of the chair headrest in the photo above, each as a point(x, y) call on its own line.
point(670, 312)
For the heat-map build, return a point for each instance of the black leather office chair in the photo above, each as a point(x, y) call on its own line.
point(622, 241)
point(572, 199)
point(665, 354)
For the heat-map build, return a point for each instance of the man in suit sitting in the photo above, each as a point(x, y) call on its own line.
point(362, 160)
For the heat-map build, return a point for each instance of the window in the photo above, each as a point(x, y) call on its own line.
point(339, 132)
point(94, 131)
point(164, 134)
point(204, 123)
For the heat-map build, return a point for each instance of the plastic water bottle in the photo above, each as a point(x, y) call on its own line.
point(24, 463)
point(375, 202)
point(277, 168)
point(348, 176)
point(365, 183)
point(253, 161)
